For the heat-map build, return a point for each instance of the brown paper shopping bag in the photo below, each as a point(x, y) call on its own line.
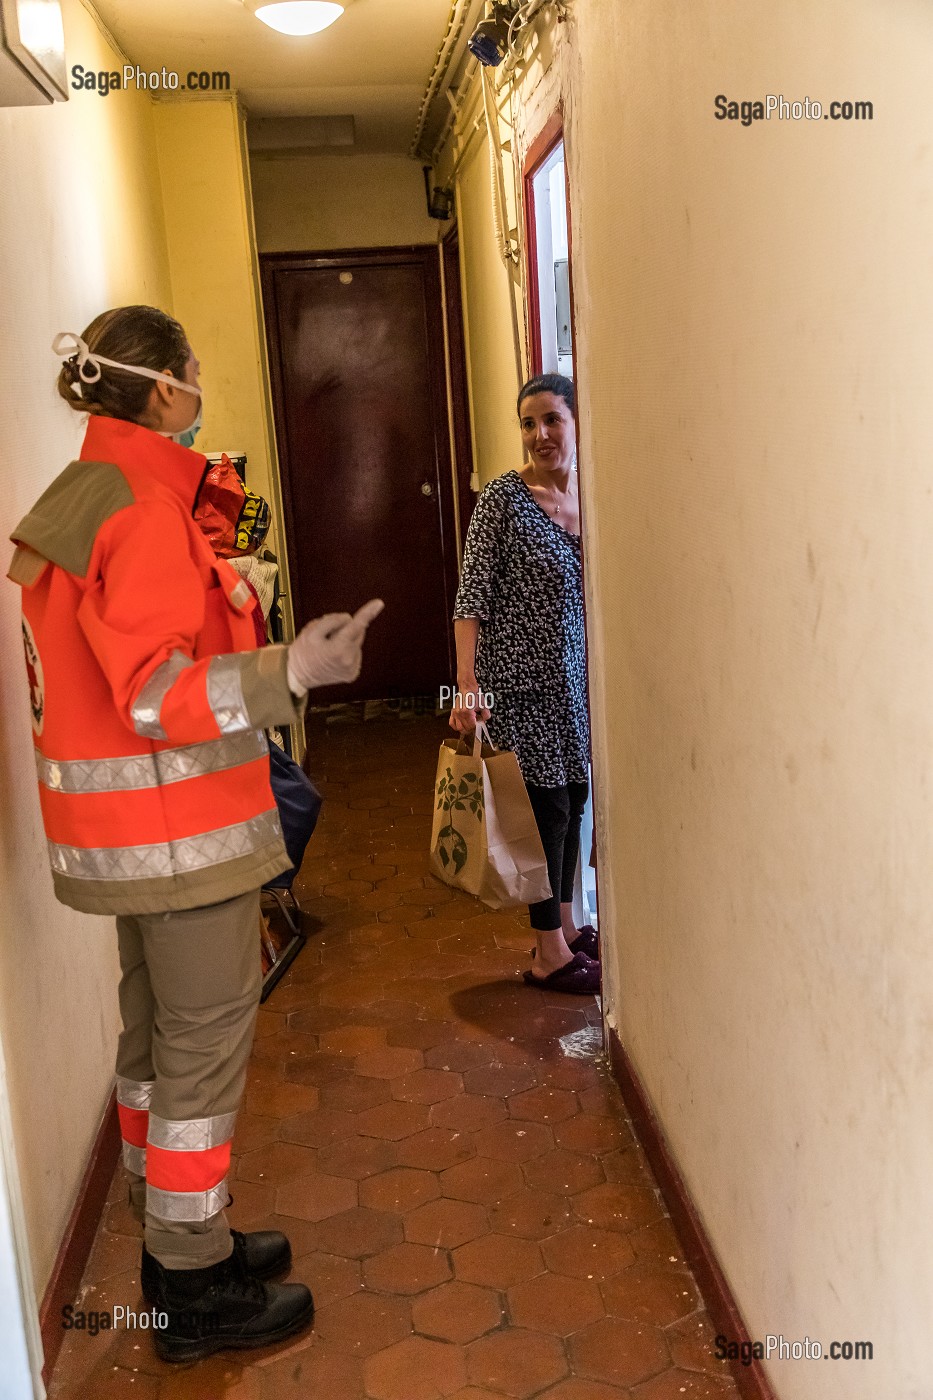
point(485, 839)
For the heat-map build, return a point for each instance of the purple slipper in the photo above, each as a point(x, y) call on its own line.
point(580, 977)
point(586, 941)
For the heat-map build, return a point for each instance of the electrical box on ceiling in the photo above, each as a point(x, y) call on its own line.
point(32, 53)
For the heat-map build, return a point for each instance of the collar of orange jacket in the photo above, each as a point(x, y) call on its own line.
point(139, 449)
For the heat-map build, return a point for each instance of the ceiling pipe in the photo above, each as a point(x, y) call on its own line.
point(461, 13)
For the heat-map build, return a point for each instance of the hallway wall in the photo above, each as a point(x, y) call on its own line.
point(80, 229)
point(756, 334)
point(755, 328)
point(208, 211)
point(493, 374)
point(313, 202)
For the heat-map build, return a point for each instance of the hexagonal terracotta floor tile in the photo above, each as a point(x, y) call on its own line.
point(563, 1172)
point(357, 1157)
point(407, 1269)
point(621, 1353)
point(317, 1071)
point(390, 1063)
point(356, 1234)
point(435, 1149)
point(481, 1180)
point(692, 1345)
point(401, 1190)
point(514, 1141)
point(544, 1105)
point(364, 1323)
point(281, 1100)
point(394, 1120)
point(329, 1277)
point(551, 1303)
point(296, 1374)
point(353, 1040)
point(468, 1113)
point(575, 1388)
point(629, 1166)
point(684, 1385)
point(497, 1261)
point(643, 1293)
point(617, 1206)
point(587, 1253)
point(416, 1369)
point(534, 1215)
point(590, 1132)
point(254, 1130)
point(277, 1163)
point(424, 1036)
point(457, 1312)
point(427, 1086)
point(317, 1197)
point(459, 1055)
point(446, 1224)
point(317, 1129)
point(657, 1244)
point(502, 1081)
point(515, 1362)
point(355, 1093)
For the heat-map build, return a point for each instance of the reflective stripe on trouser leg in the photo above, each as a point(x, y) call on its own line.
point(133, 1099)
point(187, 1164)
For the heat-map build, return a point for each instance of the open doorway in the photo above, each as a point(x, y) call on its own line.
point(551, 343)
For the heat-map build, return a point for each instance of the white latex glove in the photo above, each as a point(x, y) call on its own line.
point(329, 650)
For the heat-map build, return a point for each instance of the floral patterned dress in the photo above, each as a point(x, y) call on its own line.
point(522, 576)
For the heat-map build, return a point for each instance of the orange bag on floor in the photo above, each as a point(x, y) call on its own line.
point(485, 838)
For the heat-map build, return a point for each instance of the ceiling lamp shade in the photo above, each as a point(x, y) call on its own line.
point(299, 16)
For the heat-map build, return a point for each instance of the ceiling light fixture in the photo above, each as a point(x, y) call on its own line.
point(298, 16)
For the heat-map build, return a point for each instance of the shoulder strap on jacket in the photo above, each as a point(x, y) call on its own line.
point(63, 524)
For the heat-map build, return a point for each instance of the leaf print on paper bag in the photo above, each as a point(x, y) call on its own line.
point(452, 796)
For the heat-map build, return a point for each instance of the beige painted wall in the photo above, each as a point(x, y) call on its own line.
point(307, 203)
point(755, 335)
point(492, 363)
point(214, 267)
point(80, 230)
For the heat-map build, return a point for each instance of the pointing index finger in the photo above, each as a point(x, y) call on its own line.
point(361, 619)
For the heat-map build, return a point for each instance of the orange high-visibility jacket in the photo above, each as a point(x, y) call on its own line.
point(148, 694)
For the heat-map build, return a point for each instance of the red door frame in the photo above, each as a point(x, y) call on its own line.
point(538, 152)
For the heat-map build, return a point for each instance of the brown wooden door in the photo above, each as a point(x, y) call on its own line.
point(359, 387)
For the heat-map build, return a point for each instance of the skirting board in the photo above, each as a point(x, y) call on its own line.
point(751, 1380)
point(78, 1239)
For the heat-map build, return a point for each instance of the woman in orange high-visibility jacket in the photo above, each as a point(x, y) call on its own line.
point(148, 699)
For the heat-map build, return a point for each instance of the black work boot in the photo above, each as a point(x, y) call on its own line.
point(208, 1310)
point(265, 1254)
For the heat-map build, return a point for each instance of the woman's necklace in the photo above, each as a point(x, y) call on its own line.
point(554, 507)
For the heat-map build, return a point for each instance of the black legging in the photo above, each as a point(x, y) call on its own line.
point(558, 812)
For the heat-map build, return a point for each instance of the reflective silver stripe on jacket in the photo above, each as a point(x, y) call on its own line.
point(190, 1134)
point(147, 711)
point(150, 770)
point(225, 694)
point(186, 1205)
point(134, 1159)
point(167, 857)
point(134, 1093)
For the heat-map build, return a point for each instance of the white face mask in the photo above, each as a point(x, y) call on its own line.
point(71, 346)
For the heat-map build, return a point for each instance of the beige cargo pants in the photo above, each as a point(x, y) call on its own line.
point(188, 998)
